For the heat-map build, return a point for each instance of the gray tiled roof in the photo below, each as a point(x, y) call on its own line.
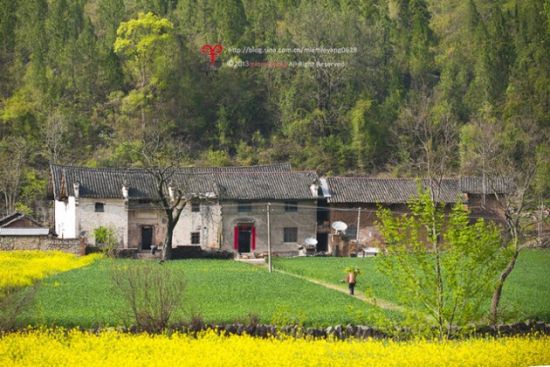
point(8, 220)
point(108, 182)
point(267, 186)
point(267, 182)
point(384, 191)
point(474, 185)
point(275, 167)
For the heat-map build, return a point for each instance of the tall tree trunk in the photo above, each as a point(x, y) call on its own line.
point(167, 246)
point(514, 228)
point(500, 284)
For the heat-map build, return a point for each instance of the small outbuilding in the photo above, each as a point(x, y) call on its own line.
point(17, 224)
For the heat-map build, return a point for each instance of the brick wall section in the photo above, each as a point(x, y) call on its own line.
point(368, 233)
point(490, 210)
point(8, 243)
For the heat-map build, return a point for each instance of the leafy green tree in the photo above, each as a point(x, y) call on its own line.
point(231, 21)
point(367, 134)
point(146, 43)
point(7, 42)
point(442, 266)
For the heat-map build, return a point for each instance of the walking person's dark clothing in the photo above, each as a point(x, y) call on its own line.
point(351, 288)
point(351, 282)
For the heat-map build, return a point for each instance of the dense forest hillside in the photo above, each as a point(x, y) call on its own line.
point(86, 81)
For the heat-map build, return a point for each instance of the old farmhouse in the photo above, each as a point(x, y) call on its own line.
point(229, 212)
point(241, 209)
point(354, 201)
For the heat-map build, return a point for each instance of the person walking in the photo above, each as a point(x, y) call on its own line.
point(351, 278)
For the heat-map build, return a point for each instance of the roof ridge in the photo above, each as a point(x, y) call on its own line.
point(375, 178)
point(259, 172)
point(279, 164)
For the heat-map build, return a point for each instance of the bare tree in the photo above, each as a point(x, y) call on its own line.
point(160, 158)
point(54, 132)
point(517, 162)
point(507, 156)
point(430, 140)
point(427, 139)
point(153, 292)
point(13, 154)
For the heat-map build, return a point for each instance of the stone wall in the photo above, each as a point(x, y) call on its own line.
point(45, 243)
point(356, 331)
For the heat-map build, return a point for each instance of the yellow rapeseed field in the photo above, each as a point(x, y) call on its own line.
point(112, 348)
point(21, 268)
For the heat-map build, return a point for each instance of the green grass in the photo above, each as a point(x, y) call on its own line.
point(228, 291)
point(331, 270)
point(220, 291)
point(526, 293)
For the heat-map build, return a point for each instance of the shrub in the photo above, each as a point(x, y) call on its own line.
point(106, 239)
point(152, 291)
point(442, 266)
point(13, 301)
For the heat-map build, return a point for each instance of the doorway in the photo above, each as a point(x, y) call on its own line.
point(245, 234)
point(245, 238)
point(146, 237)
point(322, 242)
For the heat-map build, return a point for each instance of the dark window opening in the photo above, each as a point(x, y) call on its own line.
point(291, 206)
point(195, 207)
point(99, 207)
point(195, 238)
point(290, 235)
point(245, 207)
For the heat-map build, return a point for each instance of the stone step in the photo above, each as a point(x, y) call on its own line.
point(252, 261)
point(147, 255)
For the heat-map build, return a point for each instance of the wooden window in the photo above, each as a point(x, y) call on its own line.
point(99, 207)
point(245, 207)
point(195, 238)
point(290, 235)
point(195, 207)
point(291, 206)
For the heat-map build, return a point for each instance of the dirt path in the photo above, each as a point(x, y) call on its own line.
point(375, 302)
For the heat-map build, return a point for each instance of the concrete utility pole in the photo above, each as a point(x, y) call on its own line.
point(540, 221)
point(269, 265)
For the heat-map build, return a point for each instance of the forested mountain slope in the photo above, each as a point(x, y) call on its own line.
point(439, 77)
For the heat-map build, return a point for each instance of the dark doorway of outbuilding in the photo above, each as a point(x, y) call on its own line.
point(322, 242)
point(146, 237)
point(245, 238)
point(245, 234)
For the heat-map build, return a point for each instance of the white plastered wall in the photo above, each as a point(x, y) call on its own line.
point(65, 218)
point(115, 215)
point(207, 221)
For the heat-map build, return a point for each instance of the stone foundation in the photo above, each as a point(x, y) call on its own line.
point(45, 243)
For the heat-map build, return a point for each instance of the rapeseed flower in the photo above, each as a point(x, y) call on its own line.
point(113, 348)
point(22, 268)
